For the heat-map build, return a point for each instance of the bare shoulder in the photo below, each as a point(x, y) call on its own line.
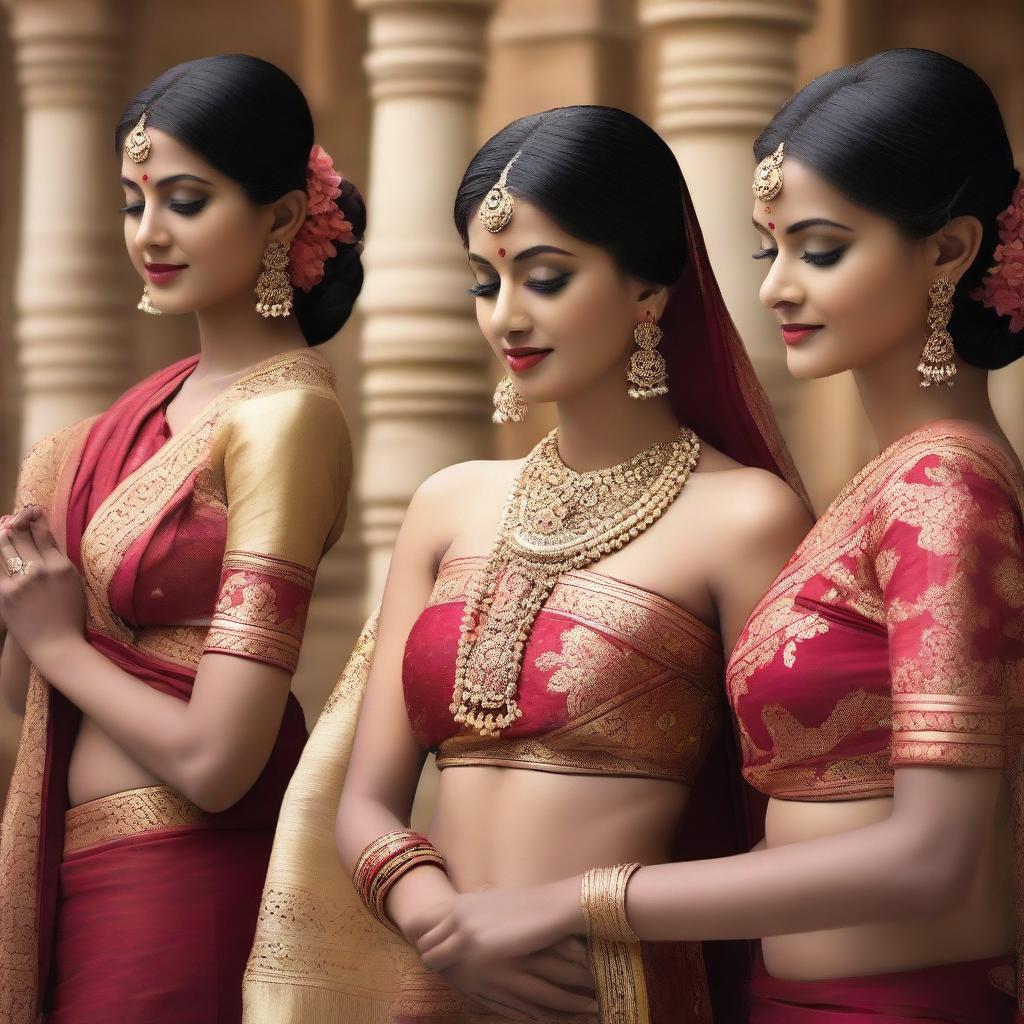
point(751, 506)
point(465, 479)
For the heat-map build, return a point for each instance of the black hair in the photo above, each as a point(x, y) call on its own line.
point(602, 174)
point(248, 119)
point(917, 137)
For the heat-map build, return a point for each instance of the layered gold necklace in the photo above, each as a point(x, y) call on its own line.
point(555, 520)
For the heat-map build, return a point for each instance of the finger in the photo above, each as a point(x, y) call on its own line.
point(560, 971)
point(7, 551)
point(539, 992)
point(445, 954)
point(40, 530)
point(575, 949)
point(25, 543)
point(438, 934)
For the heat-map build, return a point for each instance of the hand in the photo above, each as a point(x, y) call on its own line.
point(43, 605)
point(556, 985)
point(503, 923)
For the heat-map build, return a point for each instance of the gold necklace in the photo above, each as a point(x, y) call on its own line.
point(555, 520)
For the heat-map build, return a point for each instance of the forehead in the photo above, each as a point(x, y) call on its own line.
point(167, 157)
point(529, 226)
point(805, 193)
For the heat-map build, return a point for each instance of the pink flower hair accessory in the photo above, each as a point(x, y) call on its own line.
point(1002, 288)
point(325, 224)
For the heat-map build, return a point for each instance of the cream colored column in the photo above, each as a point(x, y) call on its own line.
point(72, 331)
point(425, 387)
point(724, 68)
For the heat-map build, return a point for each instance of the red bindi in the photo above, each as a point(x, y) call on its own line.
point(771, 225)
point(501, 252)
point(145, 177)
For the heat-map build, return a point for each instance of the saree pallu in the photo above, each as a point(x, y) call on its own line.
point(206, 540)
point(948, 994)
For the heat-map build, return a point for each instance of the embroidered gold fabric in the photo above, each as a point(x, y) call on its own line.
point(44, 473)
point(555, 520)
point(649, 709)
point(920, 554)
point(131, 813)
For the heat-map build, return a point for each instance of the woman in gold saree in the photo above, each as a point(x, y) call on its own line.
point(157, 572)
point(553, 629)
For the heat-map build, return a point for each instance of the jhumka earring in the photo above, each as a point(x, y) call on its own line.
point(509, 405)
point(937, 364)
point(647, 371)
point(499, 204)
point(273, 288)
point(145, 303)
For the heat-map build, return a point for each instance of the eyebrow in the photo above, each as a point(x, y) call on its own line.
point(172, 180)
point(803, 225)
point(534, 250)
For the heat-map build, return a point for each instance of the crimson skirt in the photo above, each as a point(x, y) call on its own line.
point(948, 994)
point(156, 916)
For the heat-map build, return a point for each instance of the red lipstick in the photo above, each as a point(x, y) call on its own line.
point(794, 334)
point(164, 273)
point(522, 359)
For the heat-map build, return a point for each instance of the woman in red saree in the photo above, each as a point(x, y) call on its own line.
point(615, 723)
point(877, 684)
point(157, 572)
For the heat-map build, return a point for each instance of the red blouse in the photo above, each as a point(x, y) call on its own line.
point(615, 681)
point(894, 635)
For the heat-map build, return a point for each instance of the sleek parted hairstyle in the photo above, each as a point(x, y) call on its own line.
point(917, 137)
point(602, 174)
point(248, 119)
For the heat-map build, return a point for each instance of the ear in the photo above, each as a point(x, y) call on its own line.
point(288, 213)
point(955, 246)
point(652, 299)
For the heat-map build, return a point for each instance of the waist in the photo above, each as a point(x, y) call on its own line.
point(134, 812)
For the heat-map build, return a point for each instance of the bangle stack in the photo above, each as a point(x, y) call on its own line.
point(385, 861)
point(603, 897)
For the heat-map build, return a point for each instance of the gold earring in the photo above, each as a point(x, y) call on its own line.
point(273, 288)
point(509, 405)
point(937, 364)
point(145, 303)
point(647, 371)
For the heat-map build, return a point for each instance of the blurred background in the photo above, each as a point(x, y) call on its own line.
point(403, 92)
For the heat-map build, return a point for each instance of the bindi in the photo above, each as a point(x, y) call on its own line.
point(501, 253)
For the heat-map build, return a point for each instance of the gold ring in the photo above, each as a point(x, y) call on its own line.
point(15, 566)
point(25, 568)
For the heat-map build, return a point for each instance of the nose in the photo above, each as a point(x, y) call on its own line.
point(508, 317)
point(780, 287)
point(151, 232)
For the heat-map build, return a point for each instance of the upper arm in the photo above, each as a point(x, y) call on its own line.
point(386, 758)
point(762, 521)
point(948, 556)
point(286, 475)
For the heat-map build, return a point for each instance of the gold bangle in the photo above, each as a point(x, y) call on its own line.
point(603, 899)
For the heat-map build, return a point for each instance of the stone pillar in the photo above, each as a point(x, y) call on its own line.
point(425, 387)
point(723, 69)
point(73, 312)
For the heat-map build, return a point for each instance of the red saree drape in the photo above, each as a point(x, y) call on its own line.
point(154, 898)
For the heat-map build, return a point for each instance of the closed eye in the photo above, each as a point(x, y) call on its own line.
point(484, 289)
point(824, 259)
point(765, 254)
point(548, 286)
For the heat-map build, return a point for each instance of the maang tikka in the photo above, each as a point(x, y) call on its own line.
point(768, 177)
point(137, 143)
point(499, 204)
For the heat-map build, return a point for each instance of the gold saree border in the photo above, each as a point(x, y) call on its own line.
point(132, 812)
point(619, 981)
point(45, 476)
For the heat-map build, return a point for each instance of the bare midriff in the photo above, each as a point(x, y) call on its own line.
point(980, 926)
point(508, 826)
point(99, 767)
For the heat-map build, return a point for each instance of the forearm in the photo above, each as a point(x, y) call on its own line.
point(14, 674)
point(414, 902)
point(876, 873)
point(153, 727)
